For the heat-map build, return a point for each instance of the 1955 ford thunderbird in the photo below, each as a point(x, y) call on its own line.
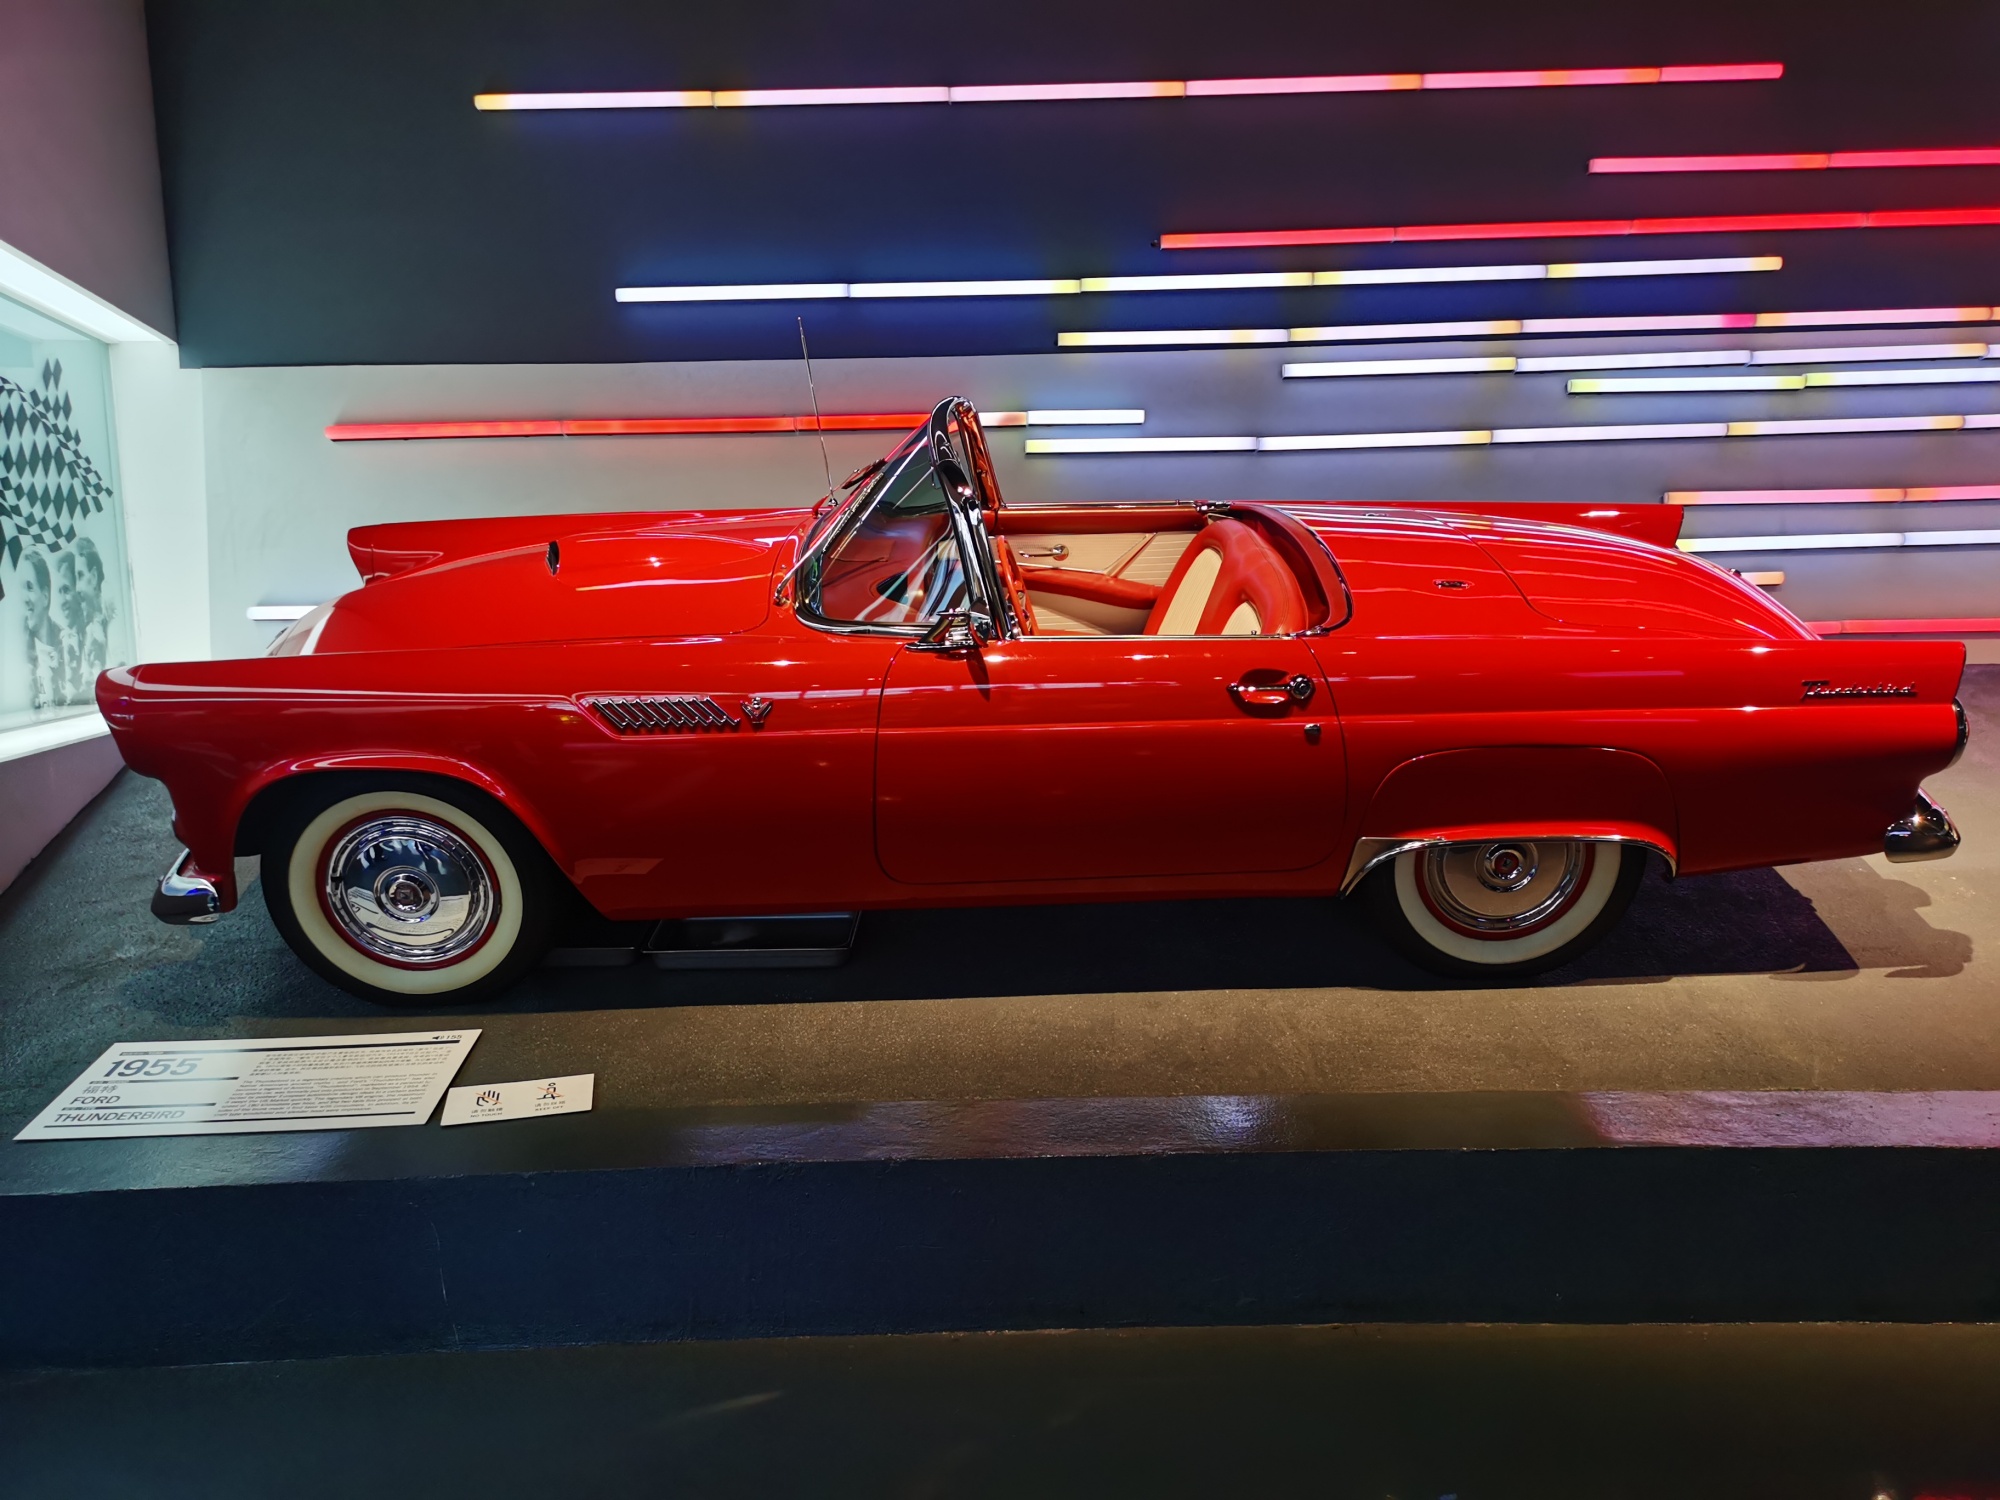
point(1483, 719)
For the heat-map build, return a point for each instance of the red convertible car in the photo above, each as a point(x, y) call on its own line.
point(1483, 719)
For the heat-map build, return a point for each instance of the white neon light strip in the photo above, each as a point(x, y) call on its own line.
point(790, 291)
point(1028, 288)
point(1833, 497)
point(1172, 336)
point(1831, 541)
point(1597, 433)
point(1141, 445)
point(1813, 379)
point(1093, 417)
point(1222, 281)
point(1711, 265)
point(1662, 359)
point(1165, 88)
point(1645, 385)
point(286, 612)
point(1671, 358)
point(1477, 365)
point(1807, 354)
point(1509, 327)
point(1901, 377)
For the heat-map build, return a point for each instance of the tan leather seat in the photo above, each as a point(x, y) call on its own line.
point(1230, 582)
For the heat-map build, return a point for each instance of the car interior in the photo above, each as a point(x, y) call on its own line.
point(1155, 570)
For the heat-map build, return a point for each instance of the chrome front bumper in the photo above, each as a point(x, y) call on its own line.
point(184, 899)
point(1927, 833)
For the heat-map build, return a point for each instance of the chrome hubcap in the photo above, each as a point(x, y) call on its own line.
point(1503, 889)
point(409, 890)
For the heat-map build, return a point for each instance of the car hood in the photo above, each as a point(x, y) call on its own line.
point(662, 580)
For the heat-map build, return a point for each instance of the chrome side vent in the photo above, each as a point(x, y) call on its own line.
point(677, 715)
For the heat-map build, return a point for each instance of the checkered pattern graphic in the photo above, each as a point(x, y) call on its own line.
point(47, 482)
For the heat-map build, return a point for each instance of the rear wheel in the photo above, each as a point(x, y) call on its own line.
point(1509, 907)
point(408, 897)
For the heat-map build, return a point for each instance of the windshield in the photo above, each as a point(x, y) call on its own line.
point(899, 562)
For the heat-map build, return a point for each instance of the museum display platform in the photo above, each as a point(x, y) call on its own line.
point(1773, 1095)
point(632, 1225)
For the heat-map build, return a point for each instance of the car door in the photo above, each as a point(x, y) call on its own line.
point(1058, 758)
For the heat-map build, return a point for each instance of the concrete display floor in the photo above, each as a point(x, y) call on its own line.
point(1760, 1412)
point(1850, 975)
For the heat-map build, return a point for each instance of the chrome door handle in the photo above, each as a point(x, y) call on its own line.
point(1298, 689)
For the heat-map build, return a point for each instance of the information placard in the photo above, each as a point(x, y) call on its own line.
point(249, 1084)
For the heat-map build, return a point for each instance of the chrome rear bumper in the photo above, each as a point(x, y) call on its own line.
point(1926, 833)
point(184, 899)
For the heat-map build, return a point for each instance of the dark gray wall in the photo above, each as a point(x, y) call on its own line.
point(79, 172)
point(334, 198)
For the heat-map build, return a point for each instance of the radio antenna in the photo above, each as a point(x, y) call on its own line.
point(818, 426)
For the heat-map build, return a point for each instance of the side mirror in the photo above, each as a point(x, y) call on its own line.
point(961, 630)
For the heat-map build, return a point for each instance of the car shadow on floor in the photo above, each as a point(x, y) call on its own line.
point(78, 922)
point(1750, 922)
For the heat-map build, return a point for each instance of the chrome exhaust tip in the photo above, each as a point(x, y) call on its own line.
point(1926, 833)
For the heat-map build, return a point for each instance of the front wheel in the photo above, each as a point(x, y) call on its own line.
point(408, 897)
point(1506, 908)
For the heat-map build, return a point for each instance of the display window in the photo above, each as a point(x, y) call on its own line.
point(65, 592)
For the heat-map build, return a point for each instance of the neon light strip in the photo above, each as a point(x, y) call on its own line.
point(1496, 364)
point(1812, 380)
point(1840, 541)
point(1988, 626)
point(1509, 327)
point(1334, 83)
point(1028, 288)
point(1769, 580)
point(285, 612)
point(1808, 354)
point(1905, 218)
point(1671, 358)
point(1637, 432)
point(1665, 359)
point(1901, 377)
point(1142, 338)
point(1618, 385)
point(1112, 417)
point(1980, 156)
point(1833, 497)
point(1144, 445)
point(1223, 281)
point(895, 421)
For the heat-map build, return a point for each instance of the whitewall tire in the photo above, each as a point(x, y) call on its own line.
point(1502, 908)
point(407, 896)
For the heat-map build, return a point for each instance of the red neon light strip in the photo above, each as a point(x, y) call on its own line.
point(1983, 156)
point(1976, 626)
point(1577, 228)
point(366, 432)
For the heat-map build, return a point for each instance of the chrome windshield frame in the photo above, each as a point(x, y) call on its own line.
point(985, 595)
